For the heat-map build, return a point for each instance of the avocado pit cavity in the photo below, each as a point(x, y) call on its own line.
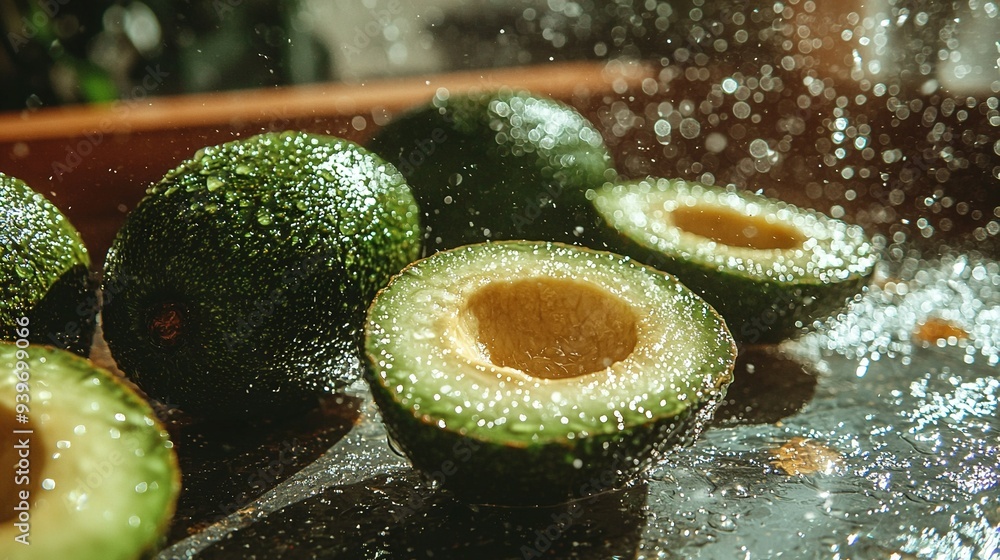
point(735, 229)
point(550, 328)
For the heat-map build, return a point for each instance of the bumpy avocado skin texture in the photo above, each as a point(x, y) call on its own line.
point(44, 271)
point(758, 309)
point(241, 280)
point(498, 165)
point(508, 469)
point(111, 470)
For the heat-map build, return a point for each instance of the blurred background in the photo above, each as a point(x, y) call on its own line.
point(74, 51)
point(883, 112)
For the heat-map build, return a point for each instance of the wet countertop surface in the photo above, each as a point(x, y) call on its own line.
point(875, 435)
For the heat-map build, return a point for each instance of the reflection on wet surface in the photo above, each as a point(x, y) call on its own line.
point(767, 386)
point(854, 440)
point(225, 470)
point(396, 516)
point(806, 456)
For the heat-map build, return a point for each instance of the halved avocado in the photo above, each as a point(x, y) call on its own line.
point(768, 267)
point(528, 372)
point(89, 471)
point(497, 165)
point(44, 271)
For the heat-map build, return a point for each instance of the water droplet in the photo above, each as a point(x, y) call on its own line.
point(690, 128)
point(758, 148)
point(24, 270)
point(741, 109)
point(716, 142)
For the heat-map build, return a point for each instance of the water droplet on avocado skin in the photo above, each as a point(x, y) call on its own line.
point(259, 235)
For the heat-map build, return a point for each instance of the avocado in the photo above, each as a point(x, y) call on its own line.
point(92, 473)
point(244, 274)
point(44, 271)
point(498, 165)
point(768, 267)
point(529, 373)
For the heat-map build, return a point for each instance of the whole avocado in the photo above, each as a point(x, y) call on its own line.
point(243, 276)
point(498, 165)
point(44, 272)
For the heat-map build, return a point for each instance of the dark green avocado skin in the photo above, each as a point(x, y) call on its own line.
point(67, 316)
point(498, 165)
point(238, 286)
point(534, 474)
point(757, 312)
point(55, 289)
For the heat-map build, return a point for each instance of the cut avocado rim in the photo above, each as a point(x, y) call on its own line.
point(709, 225)
point(123, 450)
point(662, 376)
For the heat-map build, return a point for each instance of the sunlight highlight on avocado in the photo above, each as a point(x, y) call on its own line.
point(100, 469)
point(551, 328)
point(497, 165)
point(542, 365)
point(770, 268)
point(247, 269)
point(44, 271)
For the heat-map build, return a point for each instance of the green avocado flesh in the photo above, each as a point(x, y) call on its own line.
point(523, 372)
point(498, 165)
point(44, 271)
point(768, 267)
point(239, 283)
point(96, 477)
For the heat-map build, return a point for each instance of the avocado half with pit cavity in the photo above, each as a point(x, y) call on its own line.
point(90, 473)
point(768, 267)
point(523, 373)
